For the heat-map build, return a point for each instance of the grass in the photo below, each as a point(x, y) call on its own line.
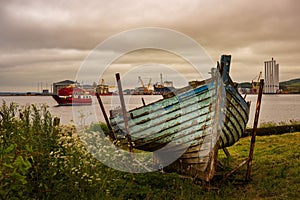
point(292, 86)
point(276, 172)
point(43, 161)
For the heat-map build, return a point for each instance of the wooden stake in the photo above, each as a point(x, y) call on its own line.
point(226, 152)
point(144, 104)
point(248, 161)
point(124, 115)
point(258, 104)
point(237, 168)
point(111, 135)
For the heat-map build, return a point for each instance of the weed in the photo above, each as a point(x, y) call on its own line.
point(40, 160)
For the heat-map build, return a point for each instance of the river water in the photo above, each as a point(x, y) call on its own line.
point(274, 108)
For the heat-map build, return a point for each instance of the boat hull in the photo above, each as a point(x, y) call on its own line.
point(151, 128)
point(200, 157)
point(191, 124)
point(72, 101)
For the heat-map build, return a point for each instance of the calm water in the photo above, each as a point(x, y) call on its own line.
point(275, 108)
point(81, 114)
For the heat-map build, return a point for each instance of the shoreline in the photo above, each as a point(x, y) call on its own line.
point(273, 130)
point(5, 94)
point(49, 94)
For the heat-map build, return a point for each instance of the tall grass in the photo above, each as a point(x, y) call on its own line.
point(40, 160)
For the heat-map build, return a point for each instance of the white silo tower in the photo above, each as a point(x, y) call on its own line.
point(271, 77)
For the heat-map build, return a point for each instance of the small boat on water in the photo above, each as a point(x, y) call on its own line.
point(187, 127)
point(163, 87)
point(72, 96)
point(103, 89)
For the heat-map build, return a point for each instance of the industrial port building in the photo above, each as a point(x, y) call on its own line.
point(271, 77)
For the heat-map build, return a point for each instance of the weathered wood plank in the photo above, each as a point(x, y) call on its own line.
point(192, 121)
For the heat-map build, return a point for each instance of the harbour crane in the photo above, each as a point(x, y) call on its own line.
point(103, 88)
point(103, 83)
point(141, 81)
point(149, 84)
point(146, 89)
point(255, 84)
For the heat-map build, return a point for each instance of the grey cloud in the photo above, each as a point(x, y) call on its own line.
point(33, 56)
point(57, 34)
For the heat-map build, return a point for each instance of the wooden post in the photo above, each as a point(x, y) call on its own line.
point(226, 152)
point(258, 104)
point(111, 135)
point(124, 115)
point(144, 104)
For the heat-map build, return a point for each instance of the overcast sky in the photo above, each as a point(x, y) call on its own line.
point(48, 41)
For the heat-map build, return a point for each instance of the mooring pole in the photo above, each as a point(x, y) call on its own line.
point(105, 117)
point(258, 104)
point(144, 104)
point(124, 115)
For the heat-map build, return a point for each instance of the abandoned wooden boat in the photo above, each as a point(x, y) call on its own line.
point(189, 125)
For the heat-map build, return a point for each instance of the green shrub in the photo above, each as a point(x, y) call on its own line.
point(26, 137)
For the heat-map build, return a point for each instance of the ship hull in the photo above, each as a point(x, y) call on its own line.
point(72, 101)
point(192, 123)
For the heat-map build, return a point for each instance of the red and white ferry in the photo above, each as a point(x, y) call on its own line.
point(72, 96)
